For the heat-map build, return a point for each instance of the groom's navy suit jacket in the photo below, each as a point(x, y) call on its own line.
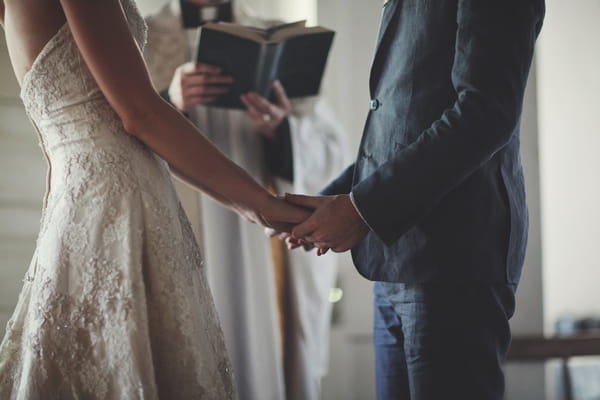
point(438, 177)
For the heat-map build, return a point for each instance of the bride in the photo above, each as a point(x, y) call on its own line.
point(115, 303)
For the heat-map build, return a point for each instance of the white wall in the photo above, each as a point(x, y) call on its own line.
point(150, 6)
point(569, 104)
point(527, 380)
point(284, 10)
point(269, 9)
point(22, 180)
point(569, 100)
point(352, 364)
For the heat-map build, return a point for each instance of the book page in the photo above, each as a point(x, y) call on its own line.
point(274, 29)
point(273, 34)
point(247, 32)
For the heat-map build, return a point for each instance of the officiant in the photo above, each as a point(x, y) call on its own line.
point(273, 305)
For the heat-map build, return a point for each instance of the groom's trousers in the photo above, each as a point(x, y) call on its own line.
point(442, 341)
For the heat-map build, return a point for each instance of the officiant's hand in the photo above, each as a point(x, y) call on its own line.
point(197, 83)
point(266, 116)
point(335, 224)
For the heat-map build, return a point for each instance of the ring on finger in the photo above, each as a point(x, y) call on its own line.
point(266, 117)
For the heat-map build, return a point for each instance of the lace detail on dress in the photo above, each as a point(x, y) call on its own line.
point(115, 304)
point(136, 22)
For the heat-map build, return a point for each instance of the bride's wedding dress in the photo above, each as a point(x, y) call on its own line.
point(115, 304)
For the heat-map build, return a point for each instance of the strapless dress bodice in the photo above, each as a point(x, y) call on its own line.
point(62, 97)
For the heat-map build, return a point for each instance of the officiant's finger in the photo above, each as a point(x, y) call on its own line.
point(263, 105)
point(255, 113)
point(252, 107)
point(247, 103)
point(252, 110)
point(281, 97)
point(208, 90)
point(203, 68)
point(310, 202)
point(258, 108)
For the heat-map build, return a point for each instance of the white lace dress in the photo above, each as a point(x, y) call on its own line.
point(115, 304)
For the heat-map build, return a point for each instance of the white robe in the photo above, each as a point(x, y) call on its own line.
point(238, 255)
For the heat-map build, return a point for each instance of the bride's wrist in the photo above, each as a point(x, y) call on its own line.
point(258, 202)
point(264, 203)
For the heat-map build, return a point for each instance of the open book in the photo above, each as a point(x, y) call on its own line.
point(293, 53)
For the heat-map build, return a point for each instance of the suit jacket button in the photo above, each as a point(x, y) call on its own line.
point(374, 104)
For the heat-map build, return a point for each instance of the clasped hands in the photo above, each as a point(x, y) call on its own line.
point(332, 223)
point(324, 222)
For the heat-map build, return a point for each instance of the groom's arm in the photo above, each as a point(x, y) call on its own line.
point(340, 185)
point(494, 49)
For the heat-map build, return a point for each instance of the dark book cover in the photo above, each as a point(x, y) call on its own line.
point(292, 53)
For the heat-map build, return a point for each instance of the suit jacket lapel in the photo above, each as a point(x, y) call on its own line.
point(389, 8)
point(386, 16)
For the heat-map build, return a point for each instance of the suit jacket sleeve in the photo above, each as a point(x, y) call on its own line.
point(493, 52)
point(340, 185)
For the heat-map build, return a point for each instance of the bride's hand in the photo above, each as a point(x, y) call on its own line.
point(280, 216)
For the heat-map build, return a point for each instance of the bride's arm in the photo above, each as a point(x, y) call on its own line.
point(101, 32)
point(1, 12)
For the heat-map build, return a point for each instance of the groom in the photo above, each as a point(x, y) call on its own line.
point(434, 206)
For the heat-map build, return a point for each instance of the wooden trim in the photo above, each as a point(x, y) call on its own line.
point(525, 348)
point(542, 348)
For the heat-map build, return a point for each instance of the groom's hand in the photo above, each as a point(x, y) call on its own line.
point(335, 224)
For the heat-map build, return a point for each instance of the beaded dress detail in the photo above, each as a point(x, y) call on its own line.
point(115, 304)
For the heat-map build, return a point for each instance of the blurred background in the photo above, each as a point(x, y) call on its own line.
point(560, 153)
